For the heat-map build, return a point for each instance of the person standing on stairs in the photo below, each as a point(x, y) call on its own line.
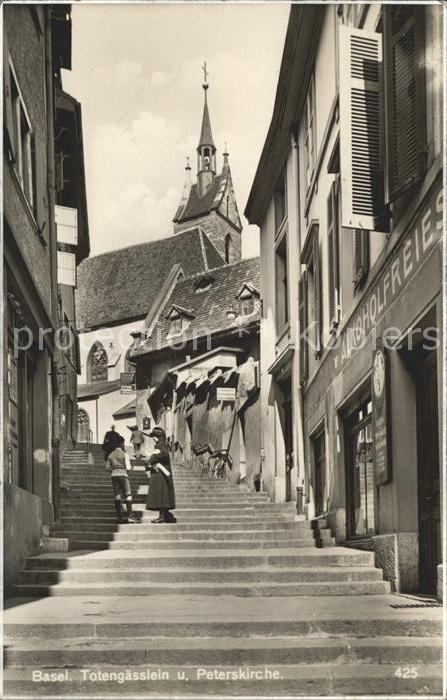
point(118, 465)
point(111, 440)
point(161, 494)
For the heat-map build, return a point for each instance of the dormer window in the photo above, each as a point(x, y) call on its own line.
point(179, 320)
point(203, 284)
point(248, 297)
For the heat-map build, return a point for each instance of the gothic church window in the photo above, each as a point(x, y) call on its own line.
point(97, 363)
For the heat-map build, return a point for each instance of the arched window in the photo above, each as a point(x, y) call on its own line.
point(227, 248)
point(97, 363)
point(83, 425)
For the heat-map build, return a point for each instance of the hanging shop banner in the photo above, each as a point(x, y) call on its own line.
point(224, 393)
point(381, 425)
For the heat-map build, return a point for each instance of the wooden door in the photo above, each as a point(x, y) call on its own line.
point(320, 473)
point(428, 474)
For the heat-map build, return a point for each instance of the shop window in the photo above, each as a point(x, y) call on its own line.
point(404, 91)
point(361, 490)
point(333, 243)
point(310, 146)
point(97, 363)
point(282, 285)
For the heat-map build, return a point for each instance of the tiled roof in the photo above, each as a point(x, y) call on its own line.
point(210, 306)
point(88, 391)
point(120, 285)
point(128, 410)
point(199, 206)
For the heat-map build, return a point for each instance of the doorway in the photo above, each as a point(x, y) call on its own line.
point(429, 507)
point(288, 445)
point(360, 487)
point(319, 445)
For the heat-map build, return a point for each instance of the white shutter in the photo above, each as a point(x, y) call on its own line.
point(66, 224)
point(66, 268)
point(362, 194)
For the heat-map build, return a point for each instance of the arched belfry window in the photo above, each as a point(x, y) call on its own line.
point(227, 248)
point(97, 362)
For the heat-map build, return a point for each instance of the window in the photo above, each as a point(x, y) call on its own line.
point(310, 133)
point(66, 268)
point(282, 286)
point(280, 200)
point(21, 139)
point(361, 257)
point(247, 306)
point(227, 248)
point(310, 308)
point(97, 363)
point(361, 157)
point(176, 326)
point(333, 235)
point(404, 91)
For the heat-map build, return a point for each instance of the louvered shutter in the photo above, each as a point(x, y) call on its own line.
point(317, 285)
point(333, 226)
point(330, 248)
point(8, 126)
point(361, 164)
point(361, 256)
point(405, 97)
point(304, 347)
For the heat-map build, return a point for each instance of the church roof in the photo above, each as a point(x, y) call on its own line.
point(210, 305)
point(200, 206)
point(119, 286)
point(206, 137)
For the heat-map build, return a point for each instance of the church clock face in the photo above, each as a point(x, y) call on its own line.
point(379, 373)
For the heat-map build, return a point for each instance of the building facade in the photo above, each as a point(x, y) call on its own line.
point(197, 369)
point(348, 196)
point(39, 277)
point(206, 234)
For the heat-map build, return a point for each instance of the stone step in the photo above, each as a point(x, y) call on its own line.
point(254, 575)
point(200, 515)
point(209, 559)
point(155, 532)
point(93, 541)
point(222, 651)
point(320, 588)
point(108, 523)
point(236, 501)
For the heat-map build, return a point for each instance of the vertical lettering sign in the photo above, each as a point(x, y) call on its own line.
point(381, 431)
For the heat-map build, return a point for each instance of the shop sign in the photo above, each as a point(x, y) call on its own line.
point(414, 249)
point(381, 400)
point(225, 393)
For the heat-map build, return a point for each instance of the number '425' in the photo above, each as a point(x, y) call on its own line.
point(406, 672)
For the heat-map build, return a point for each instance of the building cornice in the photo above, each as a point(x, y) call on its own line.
point(298, 56)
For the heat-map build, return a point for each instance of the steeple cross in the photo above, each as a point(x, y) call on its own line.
point(205, 73)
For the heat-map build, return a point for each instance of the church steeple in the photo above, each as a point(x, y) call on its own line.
point(206, 150)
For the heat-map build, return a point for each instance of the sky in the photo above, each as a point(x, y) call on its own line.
point(136, 69)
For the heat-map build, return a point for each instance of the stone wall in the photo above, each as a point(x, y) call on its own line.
point(22, 512)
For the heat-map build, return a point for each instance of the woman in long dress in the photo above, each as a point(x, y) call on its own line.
point(161, 494)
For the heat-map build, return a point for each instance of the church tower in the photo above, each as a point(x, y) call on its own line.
point(210, 203)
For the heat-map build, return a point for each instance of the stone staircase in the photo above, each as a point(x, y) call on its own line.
point(237, 583)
